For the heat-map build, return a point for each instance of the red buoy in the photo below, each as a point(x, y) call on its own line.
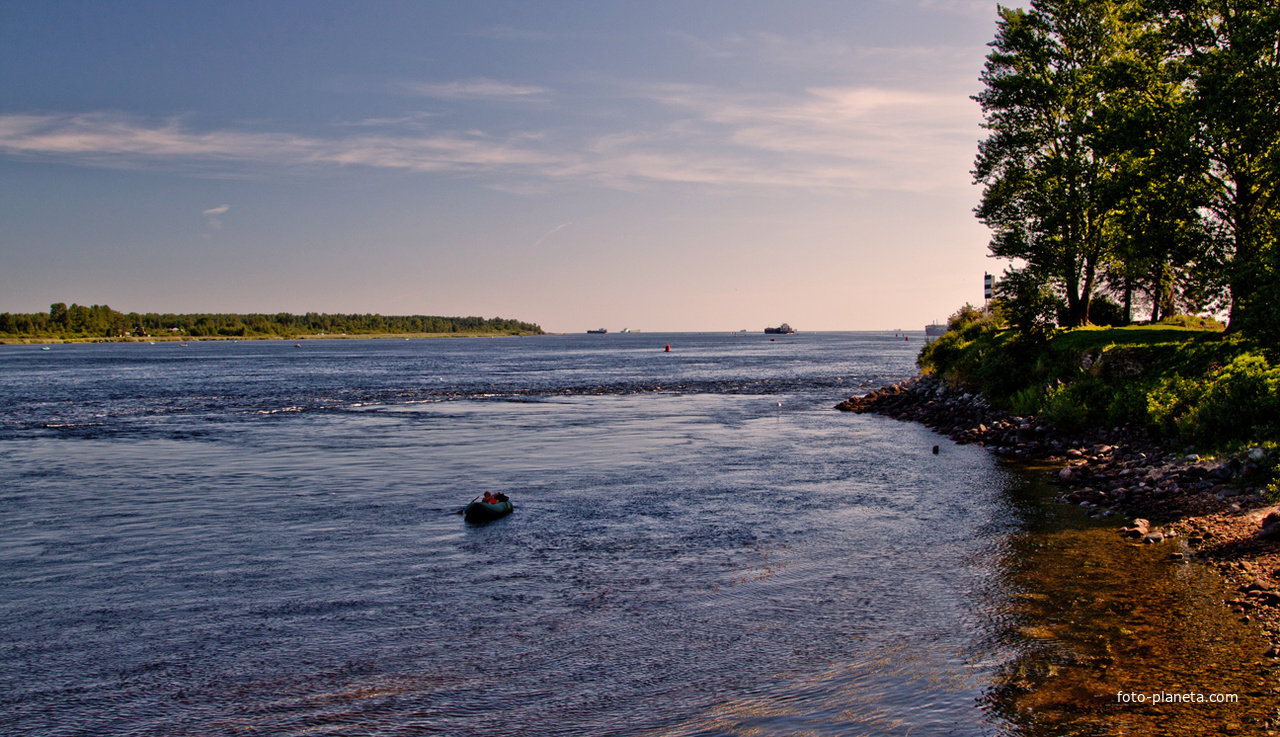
point(668, 348)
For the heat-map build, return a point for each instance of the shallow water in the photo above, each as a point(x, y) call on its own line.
point(257, 538)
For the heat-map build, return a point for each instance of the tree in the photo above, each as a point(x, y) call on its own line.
point(1229, 51)
point(1142, 123)
point(1049, 187)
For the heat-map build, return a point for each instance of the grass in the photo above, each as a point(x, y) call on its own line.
point(1186, 378)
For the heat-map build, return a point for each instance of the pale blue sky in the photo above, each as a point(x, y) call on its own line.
point(688, 165)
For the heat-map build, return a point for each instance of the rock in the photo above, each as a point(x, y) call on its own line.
point(1226, 471)
point(1270, 527)
point(1066, 474)
point(1260, 584)
point(1152, 538)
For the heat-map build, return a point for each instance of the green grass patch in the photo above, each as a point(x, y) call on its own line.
point(1185, 378)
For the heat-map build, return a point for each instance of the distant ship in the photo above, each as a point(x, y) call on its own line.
point(783, 329)
point(935, 329)
point(601, 331)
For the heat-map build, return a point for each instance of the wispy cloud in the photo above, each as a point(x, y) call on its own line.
point(822, 137)
point(112, 139)
point(980, 8)
point(552, 232)
point(827, 137)
point(470, 89)
point(213, 215)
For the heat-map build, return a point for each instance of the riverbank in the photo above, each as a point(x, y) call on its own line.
point(1201, 508)
point(315, 336)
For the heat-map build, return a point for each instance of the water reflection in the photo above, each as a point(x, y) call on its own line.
point(1099, 624)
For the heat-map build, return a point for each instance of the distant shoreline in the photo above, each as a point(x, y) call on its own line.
point(225, 338)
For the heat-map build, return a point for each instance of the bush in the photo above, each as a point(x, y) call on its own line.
point(1064, 410)
point(1029, 401)
point(1193, 321)
point(1241, 404)
point(1129, 405)
point(1103, 311)
point(953, 356)
point(1029, 303)
point(1170, 400)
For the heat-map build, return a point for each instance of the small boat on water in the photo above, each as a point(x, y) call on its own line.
point(479, 511)
point(601, 331)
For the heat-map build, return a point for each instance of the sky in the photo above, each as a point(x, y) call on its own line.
point(699, 165)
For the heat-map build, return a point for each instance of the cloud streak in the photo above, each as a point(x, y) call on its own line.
point(213, 216)
point(471, 89)
point(822, 138)
point(552, 232)
point(115, 140)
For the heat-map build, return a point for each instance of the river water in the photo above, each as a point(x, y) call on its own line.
point(260, 538)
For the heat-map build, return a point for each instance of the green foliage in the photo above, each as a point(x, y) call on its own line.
point(1051, 180)
point(1065, 409)
point(1129, 404)
point(958, 352)
point(1029, 302)
point(964, 317)
point(1271, 493)
point(1240, 404)
point(1027, 401)
point(1170, 400)
point(1134, 149)
point(100, 321)
point(1164, 377)
point(1103, 311)
point(1193, 321)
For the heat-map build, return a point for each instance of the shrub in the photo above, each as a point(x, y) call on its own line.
point(1241, 403)
point(1129, 405)
point(1029, 303)
point(1193, 321)
point(1170, 400)
point(954, 356)
point(1028, 401)
point(1103, 311)
point(1064, 410)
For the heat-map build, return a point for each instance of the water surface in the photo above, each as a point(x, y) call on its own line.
point(232, 538)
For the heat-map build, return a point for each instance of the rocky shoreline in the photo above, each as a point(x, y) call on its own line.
point(1201, 508)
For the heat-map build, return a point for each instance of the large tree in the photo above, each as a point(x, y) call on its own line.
point(1144, 123)
point(1229, 51)
point(1050, 187)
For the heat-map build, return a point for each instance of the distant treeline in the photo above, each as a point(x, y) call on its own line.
point(100, 321)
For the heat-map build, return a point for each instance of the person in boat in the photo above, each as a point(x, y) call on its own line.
point(490, 498)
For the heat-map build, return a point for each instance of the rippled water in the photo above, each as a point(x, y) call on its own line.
point(232, 538)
